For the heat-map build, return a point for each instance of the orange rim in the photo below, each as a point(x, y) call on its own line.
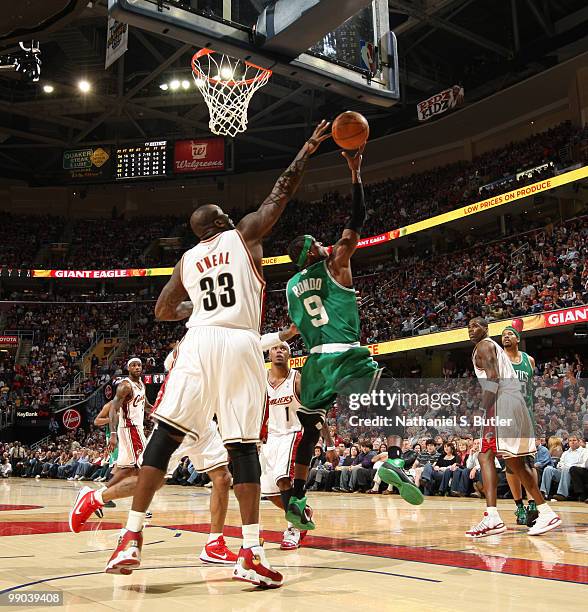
point(265, 72)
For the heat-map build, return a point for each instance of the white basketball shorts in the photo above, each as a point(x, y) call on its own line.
point(131, 444)
point(277, 460)
point(218, 371)
point(206, 453)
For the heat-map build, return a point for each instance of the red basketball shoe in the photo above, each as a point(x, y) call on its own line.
point(127, 555)
point(292, 538)
point(83, 507)
point(252, 566)
point(217, 552)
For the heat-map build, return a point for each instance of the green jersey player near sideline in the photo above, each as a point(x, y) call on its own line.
point(524, 366)
point(322, 304)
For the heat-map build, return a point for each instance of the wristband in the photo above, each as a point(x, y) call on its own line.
point(304, 252)
point(269, 340)
point(488, 385)
point(330, 448)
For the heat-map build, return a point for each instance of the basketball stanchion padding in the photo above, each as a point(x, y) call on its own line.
point(227, 85)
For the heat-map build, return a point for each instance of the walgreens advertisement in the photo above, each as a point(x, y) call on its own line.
point(199, 156)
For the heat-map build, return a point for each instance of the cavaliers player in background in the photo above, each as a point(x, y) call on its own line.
point(219, 370)
point(514, 440)
point(282, 431)
point(126, 415)
point(209, 456)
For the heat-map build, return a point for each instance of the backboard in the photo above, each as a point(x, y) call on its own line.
point(358, 59)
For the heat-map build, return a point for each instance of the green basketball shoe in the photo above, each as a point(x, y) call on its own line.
point(300, 514)
point(391, 473)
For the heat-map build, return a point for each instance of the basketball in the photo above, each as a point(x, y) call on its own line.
point(351, 130)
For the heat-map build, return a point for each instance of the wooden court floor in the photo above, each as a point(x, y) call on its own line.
point(367, 553)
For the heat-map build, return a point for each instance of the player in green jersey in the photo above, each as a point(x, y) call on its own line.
point(524, 366)
point(322, 304)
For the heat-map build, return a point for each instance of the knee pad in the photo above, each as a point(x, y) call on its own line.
point(245, 460)
point(161, 446)
point(312, 424)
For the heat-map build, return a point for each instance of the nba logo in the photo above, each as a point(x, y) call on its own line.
point(369, 57)
point(198, 149)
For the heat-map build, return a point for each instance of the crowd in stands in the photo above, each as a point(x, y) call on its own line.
point(395, 203)
point(441, 460)
point(546, 272)
point(23, 237)
point(101, 244)
point(124, 243)
point(539, 271)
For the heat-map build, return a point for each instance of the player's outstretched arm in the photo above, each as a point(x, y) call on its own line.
point(172, 299)
point(272, 338)
point(123, 391)
point(258, 224)
point(346, 246)
point(102, 418)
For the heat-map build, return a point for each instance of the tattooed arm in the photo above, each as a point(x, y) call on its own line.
point(171, 304)
point(255, 226)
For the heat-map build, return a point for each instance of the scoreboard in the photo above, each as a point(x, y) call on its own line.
point(143, 160)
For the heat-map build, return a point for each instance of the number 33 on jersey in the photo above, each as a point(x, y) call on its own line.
point(223, 283)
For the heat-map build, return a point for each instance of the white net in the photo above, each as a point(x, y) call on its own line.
point(227, 85)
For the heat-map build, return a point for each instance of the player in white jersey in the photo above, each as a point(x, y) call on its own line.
point(281, 433)
point(208, 455)
point(126, 416)
point(219, 370)
point(508, 431)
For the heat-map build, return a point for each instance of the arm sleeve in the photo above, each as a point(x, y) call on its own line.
point(269, 340)
point(358, 212)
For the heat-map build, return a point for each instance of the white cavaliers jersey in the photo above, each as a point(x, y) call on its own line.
point(509, 381)
point(223, 283)
point(133, 410)
point(282, 404)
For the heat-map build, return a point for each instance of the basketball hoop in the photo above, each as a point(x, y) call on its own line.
point(227, 85)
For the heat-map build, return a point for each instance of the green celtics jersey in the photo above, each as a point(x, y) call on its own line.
point(114, 454)
point(525, 375)
point(324, 311)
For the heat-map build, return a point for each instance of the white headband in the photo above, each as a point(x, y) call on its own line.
point(283, 343)
point(133, 359)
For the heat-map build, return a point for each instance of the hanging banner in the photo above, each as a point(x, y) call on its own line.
point(440, 103)
point(203, 155)
point(117, 37)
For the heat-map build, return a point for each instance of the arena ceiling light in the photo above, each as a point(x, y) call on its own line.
point(84, 86)
point(164, 87)
point(185, 84)
point(174, 85)
point(48, 89)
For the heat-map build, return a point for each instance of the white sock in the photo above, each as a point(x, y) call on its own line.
point(493, 512)
point(290, 525)
point(98, 495)
point(541, 508)
point(135, 521)
point(250, 535)
point(213, 536)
